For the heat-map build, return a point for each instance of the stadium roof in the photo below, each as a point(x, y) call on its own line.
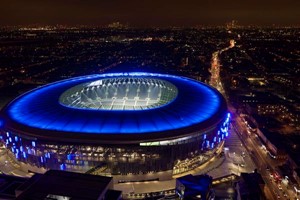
point(40, 112)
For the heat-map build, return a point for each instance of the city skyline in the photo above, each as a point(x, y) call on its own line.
point(150, 13)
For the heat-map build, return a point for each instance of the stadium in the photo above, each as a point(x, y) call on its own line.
point(118, 124)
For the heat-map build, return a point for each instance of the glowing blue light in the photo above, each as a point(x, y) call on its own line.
point(7, 134)
point(10, 140)
point(21, 148)
point(42, 159)
point(48, 155)
point(194, 104)
point(62, 167)
point(13, 150)
point(33, 143)
point(219, 140)
point(24, 155)
point(16, 138)
point(215, 139)
point(70, 156)
point(204, 137)
point(226, 133)
point(212, 145)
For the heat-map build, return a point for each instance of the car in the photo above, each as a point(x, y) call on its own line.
point(285, 194)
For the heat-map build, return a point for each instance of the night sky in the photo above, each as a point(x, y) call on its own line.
point(145, 13)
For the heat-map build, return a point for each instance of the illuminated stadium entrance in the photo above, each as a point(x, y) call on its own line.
point(120, 94)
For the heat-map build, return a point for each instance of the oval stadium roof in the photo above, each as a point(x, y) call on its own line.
point(39, 112)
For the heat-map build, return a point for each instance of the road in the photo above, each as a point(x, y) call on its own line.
point(265, 164)
point(254, 147)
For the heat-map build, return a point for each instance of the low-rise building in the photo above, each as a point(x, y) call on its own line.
point(194, 187)
point(250, 186)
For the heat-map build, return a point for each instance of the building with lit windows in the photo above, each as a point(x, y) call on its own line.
point(118, 124)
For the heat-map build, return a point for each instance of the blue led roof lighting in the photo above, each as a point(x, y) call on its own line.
point(41, 109)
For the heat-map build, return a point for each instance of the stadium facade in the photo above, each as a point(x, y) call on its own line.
point(121, 123)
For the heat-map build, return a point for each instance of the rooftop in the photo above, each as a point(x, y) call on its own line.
point(183, 104)
point(54, 184)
